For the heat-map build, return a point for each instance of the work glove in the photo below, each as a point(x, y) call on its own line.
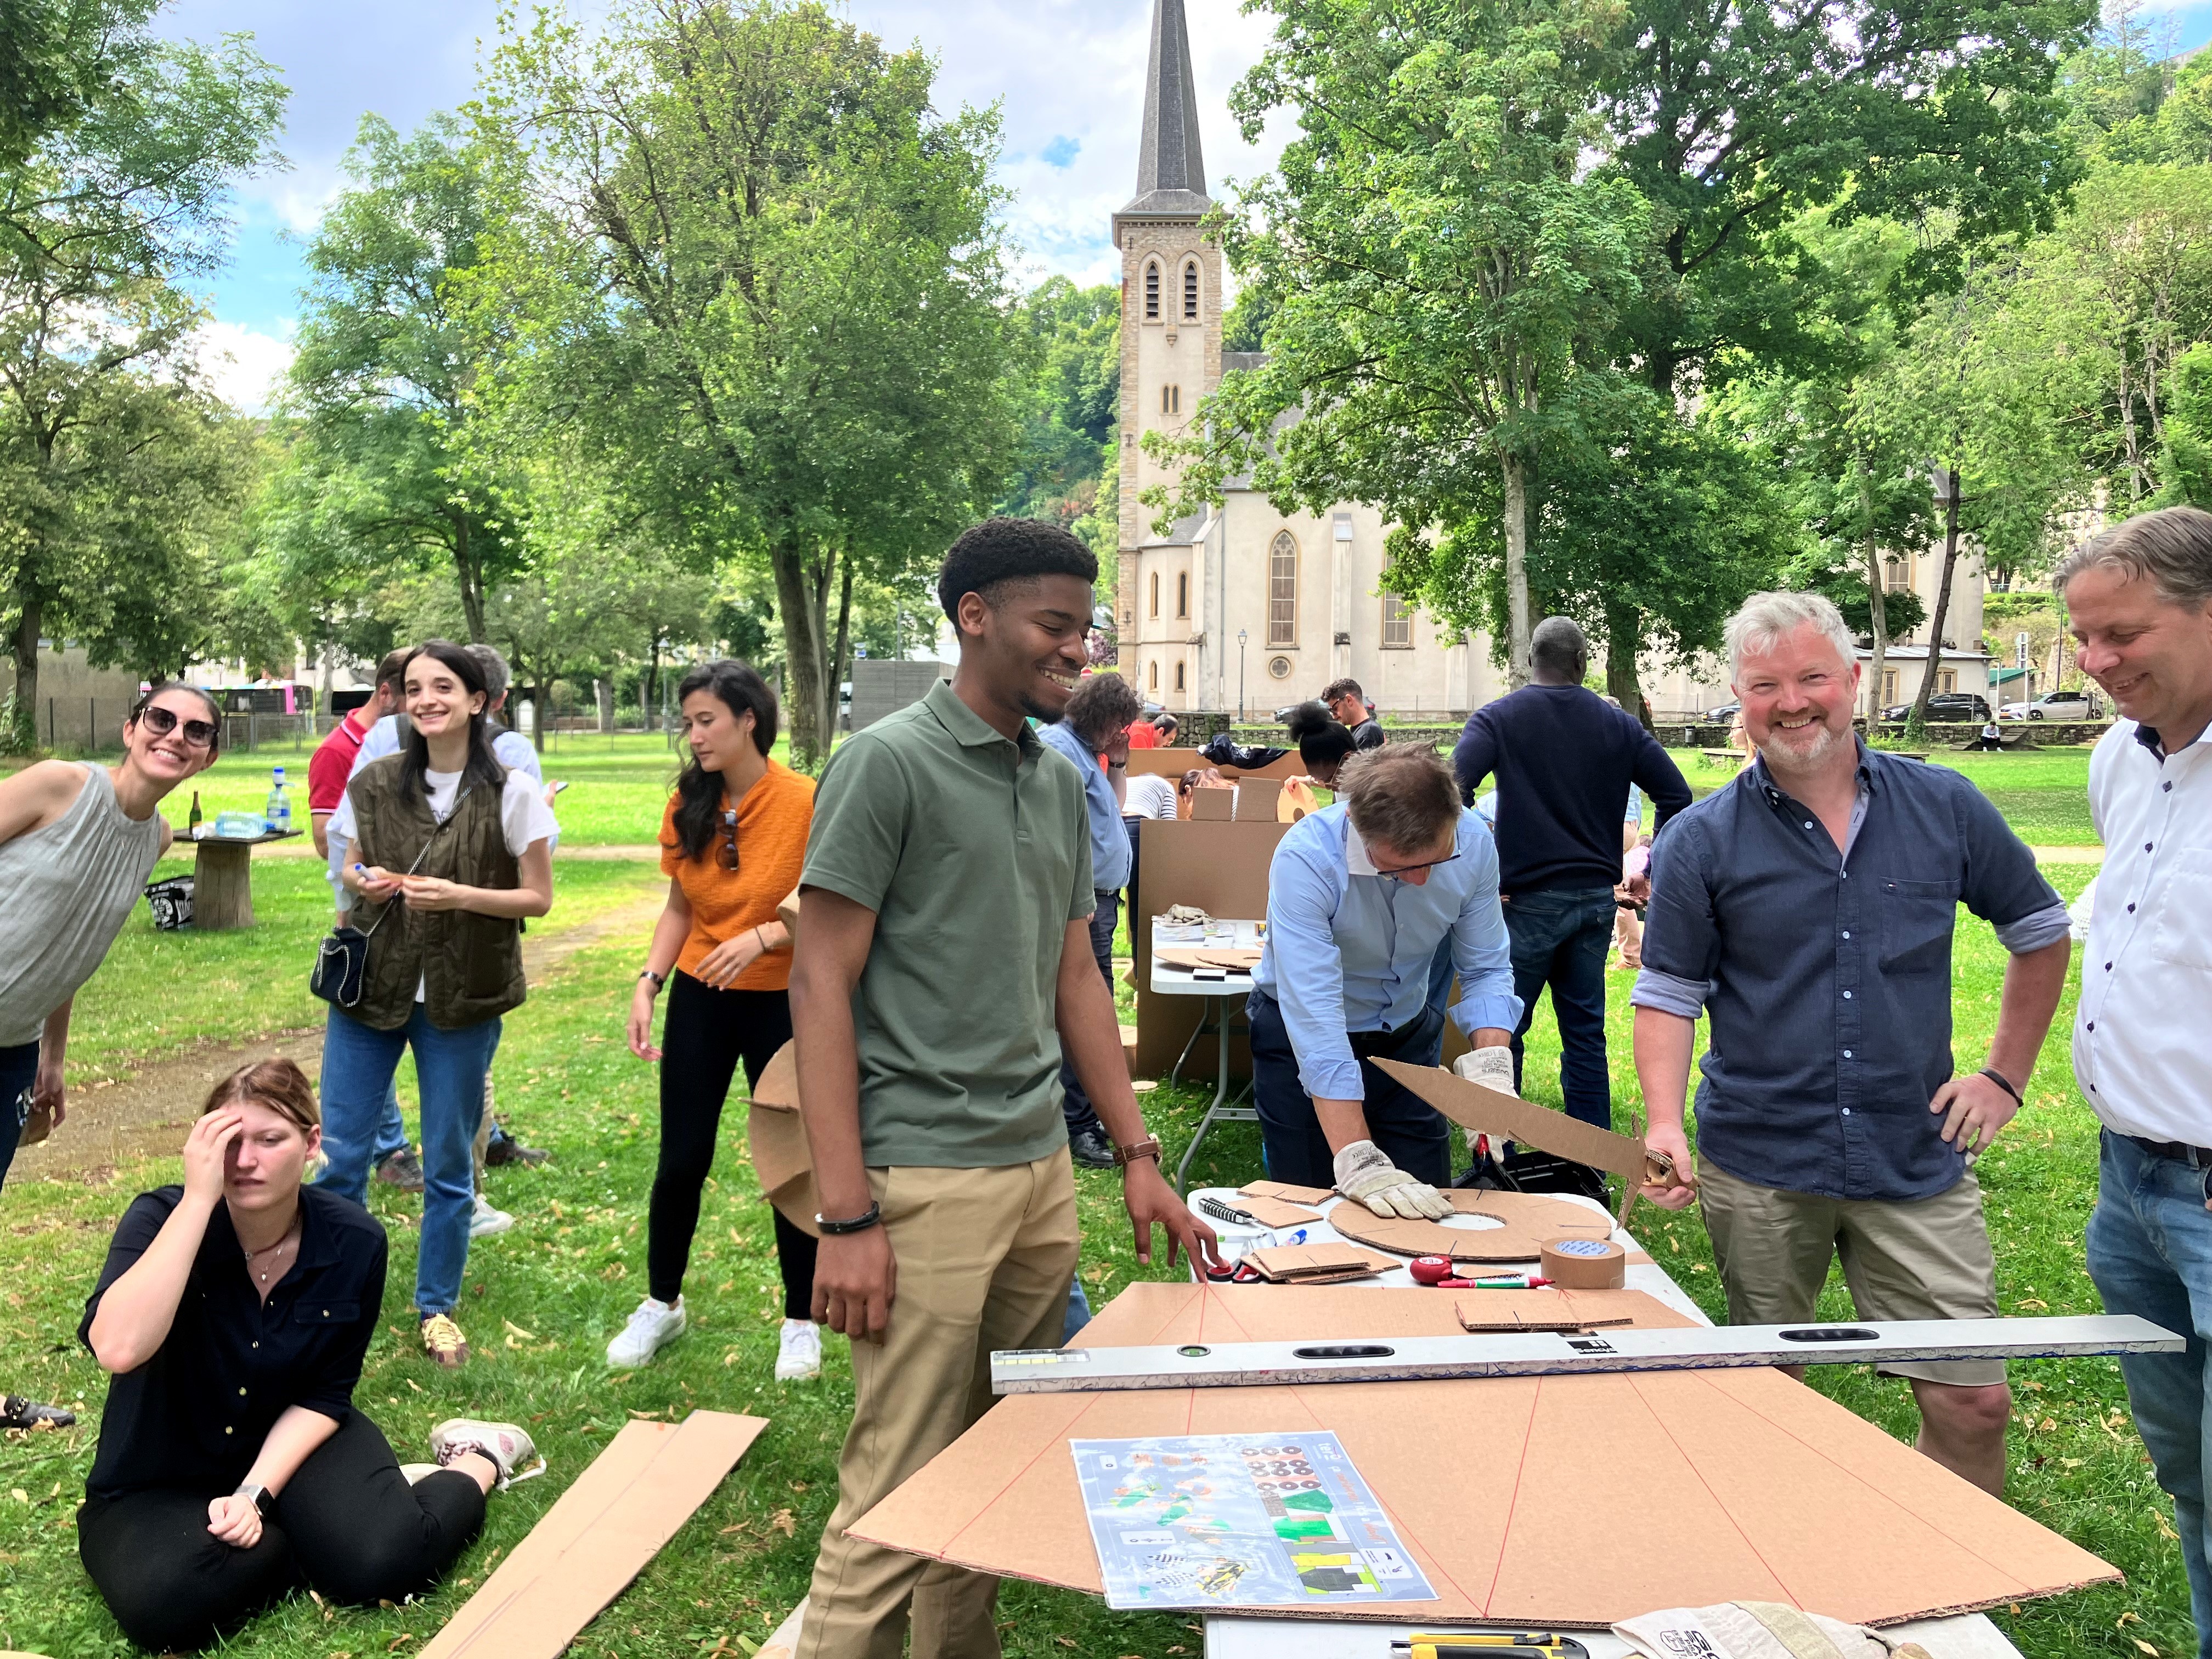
point(1364, 1173)
point(1491, 1067)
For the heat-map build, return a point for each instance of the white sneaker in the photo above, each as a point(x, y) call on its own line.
point(798, 1352)
point(654, 1325)
point(507, 1445)
point(486, 1221)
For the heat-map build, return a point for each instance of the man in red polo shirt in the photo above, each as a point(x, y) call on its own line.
point(332, 762)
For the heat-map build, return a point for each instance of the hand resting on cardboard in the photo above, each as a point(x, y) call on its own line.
point(1365, 1172)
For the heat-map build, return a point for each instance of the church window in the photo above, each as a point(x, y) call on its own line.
point(1397, 624)
point(1190, 291)
point(1152, 291)
point(1178, 676)
point(1152, 677)
point(1155, 593)
point(1170, 400)
point(1283, 591)
point(1182, 592)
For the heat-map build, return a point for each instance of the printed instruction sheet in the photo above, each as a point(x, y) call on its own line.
point(1239, 1520)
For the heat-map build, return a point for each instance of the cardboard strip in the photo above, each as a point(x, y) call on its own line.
point(1287, 1192)
point(1301, 1263)
point(600, 1535)
point(1542, 1309)
point(1708, 1486)
point(1527, 1221)
point(1274, 1212)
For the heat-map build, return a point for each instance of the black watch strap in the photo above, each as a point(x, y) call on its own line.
point(860, 1224)
point(2003, 1083)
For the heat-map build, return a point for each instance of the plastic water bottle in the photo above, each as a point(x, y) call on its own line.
point(280, 806)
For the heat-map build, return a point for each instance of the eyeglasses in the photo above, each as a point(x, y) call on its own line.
point(1408, 869)
point(200, 734)
point(726, 854)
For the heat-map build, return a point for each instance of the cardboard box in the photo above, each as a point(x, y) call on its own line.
point(1222, 868)
point(1566, 1500)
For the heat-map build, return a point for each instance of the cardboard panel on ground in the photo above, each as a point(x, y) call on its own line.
point(1223, 869)
point(1566, 1500)
point(601, 1534)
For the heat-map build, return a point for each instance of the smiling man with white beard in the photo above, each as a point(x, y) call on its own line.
point(1808, 910)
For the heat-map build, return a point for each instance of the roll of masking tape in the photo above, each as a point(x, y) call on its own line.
point(1585, 1264)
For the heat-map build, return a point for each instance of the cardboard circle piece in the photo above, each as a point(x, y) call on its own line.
point(1526, 1221)
point(1585, 1264)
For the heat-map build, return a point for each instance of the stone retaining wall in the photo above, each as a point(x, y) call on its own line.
point(2041, 734)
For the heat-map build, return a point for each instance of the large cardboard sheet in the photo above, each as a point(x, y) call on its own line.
point(1577, 1501)
point(597, 1537)
point(1223, 869)
point(782, 1160)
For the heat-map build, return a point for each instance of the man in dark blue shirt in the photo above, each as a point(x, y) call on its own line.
point(1563, 758)
point(1808, 909)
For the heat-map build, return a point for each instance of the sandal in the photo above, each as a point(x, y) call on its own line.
point(19, 1411)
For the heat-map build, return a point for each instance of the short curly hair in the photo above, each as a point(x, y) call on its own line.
point(989, 555)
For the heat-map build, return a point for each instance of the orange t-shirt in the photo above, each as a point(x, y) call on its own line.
point(773, 820)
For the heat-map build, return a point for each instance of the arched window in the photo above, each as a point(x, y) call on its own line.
point(1152, 290)
point(1170, 400)
point(1178, 676)
point(1182, 592)
point(1283, 591)
point(1155, 593)
point(1190, 291)
point(1152, 677)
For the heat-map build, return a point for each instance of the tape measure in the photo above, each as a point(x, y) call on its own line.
point(1448, 1644)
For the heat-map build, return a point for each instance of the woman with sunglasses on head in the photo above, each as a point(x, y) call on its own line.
point(233, 1313)
point(78, 840)
point(732, 844)
point(450, 852)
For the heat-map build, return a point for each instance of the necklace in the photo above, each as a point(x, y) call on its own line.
point(291, 1236)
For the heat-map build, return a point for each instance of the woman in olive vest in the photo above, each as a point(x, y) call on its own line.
point(456, 849)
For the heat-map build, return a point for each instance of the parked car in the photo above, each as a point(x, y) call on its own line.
point(1721, 715)
point(2053, 706)
point(1946, 706)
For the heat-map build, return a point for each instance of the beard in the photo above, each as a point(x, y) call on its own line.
point(1780, 758)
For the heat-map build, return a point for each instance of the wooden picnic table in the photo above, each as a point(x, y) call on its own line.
point(222, 879)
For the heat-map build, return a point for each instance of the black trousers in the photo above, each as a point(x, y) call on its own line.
point(348, 1524)
point(1409, 1131)
point(706, 1035)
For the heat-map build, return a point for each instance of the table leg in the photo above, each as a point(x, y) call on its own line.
point(222, 886)
point(1217, 1008)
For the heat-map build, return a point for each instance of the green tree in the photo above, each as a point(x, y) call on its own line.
point(1432, 251)
point(748, 258)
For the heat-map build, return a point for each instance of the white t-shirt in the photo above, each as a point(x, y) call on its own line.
point(1149, 795)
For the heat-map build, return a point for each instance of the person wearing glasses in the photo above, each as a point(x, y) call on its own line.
point(732, 844)
point(78, 840)
point(451, 852)
point(1360, 895)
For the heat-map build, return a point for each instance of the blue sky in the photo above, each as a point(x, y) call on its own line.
point(1069, 73)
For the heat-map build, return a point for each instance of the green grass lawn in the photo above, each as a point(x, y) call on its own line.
point(2042, 793)
point(542, 1302)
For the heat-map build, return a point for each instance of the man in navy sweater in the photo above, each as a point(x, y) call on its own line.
point(1563, 758)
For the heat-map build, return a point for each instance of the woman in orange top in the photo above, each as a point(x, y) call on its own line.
point(733, 842)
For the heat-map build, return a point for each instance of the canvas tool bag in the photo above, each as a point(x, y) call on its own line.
point(342, 960)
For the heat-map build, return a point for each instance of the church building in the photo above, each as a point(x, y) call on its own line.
point(1240, 606)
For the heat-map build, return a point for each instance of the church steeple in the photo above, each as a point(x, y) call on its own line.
point(1171, 171)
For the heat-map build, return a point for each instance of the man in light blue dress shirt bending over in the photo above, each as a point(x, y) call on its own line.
point(1360, 895)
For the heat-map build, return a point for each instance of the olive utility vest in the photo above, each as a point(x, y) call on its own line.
point(470, 966)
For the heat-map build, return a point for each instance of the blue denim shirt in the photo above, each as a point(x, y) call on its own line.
point(1109, 841)
point(1828, 978)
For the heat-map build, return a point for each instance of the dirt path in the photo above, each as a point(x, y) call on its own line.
point(146, 1114)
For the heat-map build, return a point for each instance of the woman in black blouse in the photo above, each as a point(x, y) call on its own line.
point(234, 1312)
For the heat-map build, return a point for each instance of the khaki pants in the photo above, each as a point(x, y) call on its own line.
point(1925, 1258)
point(985, 1258)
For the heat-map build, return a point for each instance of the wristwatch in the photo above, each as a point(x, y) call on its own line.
point(264, 1499)
point(1148, 1148)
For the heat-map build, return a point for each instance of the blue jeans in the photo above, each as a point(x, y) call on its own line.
point(19, 1065)
point(1079, 1309)
point(1074, 1104)
point(1412, 1133)
point(449, 1071)
point(1560, 939)
point(2150, 1254)
point(390, 1131)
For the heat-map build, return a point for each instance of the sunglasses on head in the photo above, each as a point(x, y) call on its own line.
point(200, 734)
point(726, 854)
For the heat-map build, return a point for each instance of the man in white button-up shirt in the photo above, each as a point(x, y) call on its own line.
point(2140, 597)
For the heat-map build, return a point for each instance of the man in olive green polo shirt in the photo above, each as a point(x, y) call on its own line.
point(943, 967)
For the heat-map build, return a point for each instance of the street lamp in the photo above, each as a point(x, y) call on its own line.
point(1241, 637)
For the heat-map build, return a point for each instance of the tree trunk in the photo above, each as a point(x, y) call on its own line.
point(1516, 571)
point(802, 652)
point(840, 659)
point(470, 581)
point(23, 737)
point(1916, 727)
point(1877, 605)
point(603, 698)
point(1624, 633)
point(2135, 469)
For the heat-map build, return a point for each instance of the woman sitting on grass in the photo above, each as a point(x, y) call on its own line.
point(732, 843)
point(234, 1312)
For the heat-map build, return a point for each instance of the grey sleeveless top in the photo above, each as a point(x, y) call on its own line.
point(64, 892)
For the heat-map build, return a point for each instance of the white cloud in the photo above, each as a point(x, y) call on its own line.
point(242, 365)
